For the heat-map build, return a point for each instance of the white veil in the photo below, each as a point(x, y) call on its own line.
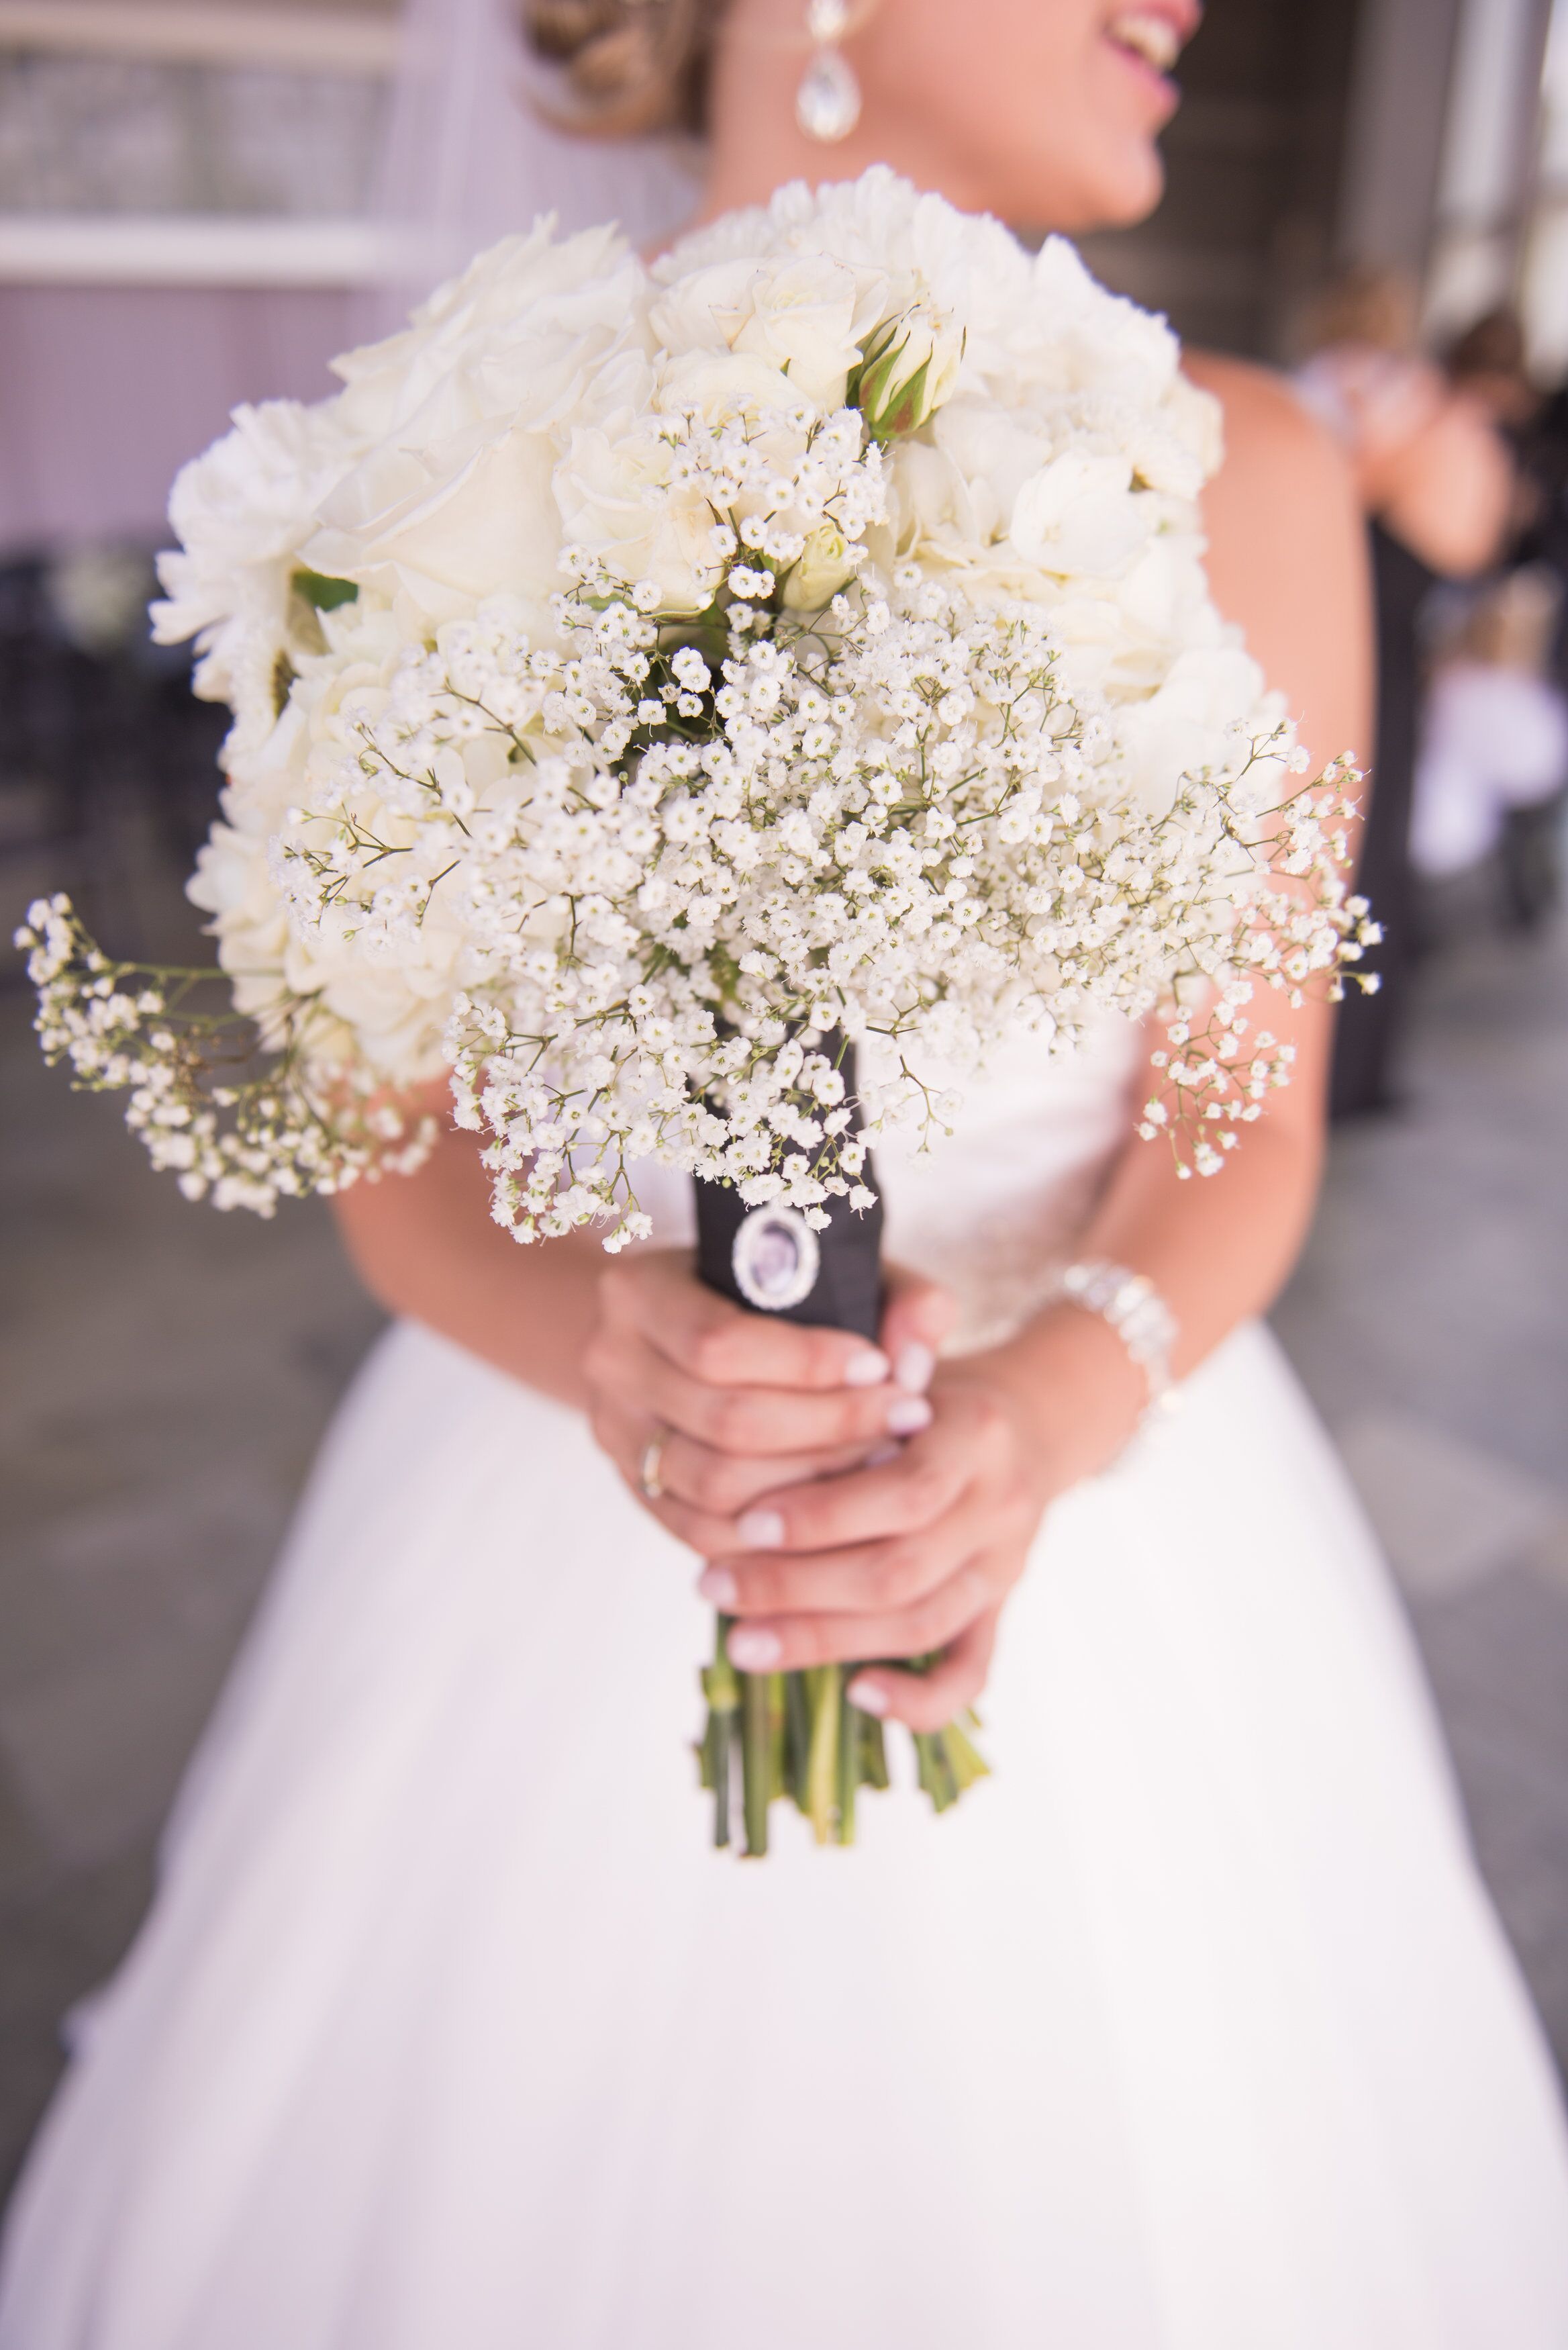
point(467, 158)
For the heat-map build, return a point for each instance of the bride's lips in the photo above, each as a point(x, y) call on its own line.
point(1148, 35)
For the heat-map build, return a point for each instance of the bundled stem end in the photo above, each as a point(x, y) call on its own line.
point(796, 1736)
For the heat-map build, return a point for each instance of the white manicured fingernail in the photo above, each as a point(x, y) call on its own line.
point(760, 1529)
point(908, 1415)
point(754, 1651)
point(867, 1369)
point(718, 1585)
point(914, 1368)
point(866, 1696)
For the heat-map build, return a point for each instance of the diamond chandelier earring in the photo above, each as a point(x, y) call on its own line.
point(828, 103)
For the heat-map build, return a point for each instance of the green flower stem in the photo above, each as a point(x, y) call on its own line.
point(797, 1735)
point(756, 1756)
point(723, 1733)
point(778, 1738)
point(822, 1768)
point(938, 1775)
point(720, 1685)
point(798, 1724)
point(848, 1761)
point(967, 1763)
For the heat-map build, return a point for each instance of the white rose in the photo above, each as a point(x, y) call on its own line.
point(717, 386)
point(439, 528)
point(1191, 723)
point(806, 320)
point(511, 341)
point(452, 502)
point(1161, 603)
point(803, 316)
point(931, 505)
point(615, 496)
point(397, 1015)
point(826, 563)
point(995, 449)
point(1078, 516)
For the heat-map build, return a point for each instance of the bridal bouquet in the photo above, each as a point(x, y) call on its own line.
point(703, 708)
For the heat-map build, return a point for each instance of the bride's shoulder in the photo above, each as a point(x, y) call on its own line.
point(1287, 547)
point(1282, 469)
point(1265, 418)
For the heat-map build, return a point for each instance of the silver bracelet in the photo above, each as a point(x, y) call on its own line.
point(1138, 1315)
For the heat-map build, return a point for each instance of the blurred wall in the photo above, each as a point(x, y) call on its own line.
point(1255, 163)
point(185, 190)
point(1314, 133)
point(105, 390)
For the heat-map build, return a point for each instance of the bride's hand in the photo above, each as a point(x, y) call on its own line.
point(906, 1557)
point(742, 1404)
point(843, 1514)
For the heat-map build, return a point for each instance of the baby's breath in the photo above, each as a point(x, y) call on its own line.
point(244, 1141)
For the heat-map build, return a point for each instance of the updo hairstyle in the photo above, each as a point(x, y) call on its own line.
point(622, 66)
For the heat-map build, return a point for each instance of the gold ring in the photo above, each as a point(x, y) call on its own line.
point(652, 1460)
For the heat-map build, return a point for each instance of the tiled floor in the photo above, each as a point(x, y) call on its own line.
point(167, 1372)
point(1429, 1319)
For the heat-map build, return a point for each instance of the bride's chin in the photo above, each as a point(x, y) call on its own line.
point(1132, 193)
point(1118, 190)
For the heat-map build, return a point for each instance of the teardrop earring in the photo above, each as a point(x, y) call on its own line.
point(828, 103)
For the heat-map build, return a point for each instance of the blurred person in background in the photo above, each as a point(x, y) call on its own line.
point(1437, 484)
point(1543, 453)
point(1488, 364)
point(1490, 360)
point(1493, 765)
point(1194, 2027)
point(1496, 710)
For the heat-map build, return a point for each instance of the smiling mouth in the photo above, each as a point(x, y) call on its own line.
point(1152, 37)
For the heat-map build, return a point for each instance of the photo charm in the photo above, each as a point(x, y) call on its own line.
point(776, 1258)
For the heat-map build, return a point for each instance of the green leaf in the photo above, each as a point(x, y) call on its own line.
point(324, 593)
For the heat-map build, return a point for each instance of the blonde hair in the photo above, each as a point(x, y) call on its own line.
point(623, 65)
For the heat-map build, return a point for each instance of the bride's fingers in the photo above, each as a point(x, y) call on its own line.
point(875, 1578)
point(727, 1484)
point(788, 1643)
point(718, 1342)
point(931, 1700)
point(913, 1486)
point(720, 1486)
point(754, 1421)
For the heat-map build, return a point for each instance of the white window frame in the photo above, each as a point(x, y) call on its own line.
point(195, 249)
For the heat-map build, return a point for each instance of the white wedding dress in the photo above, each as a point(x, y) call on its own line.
point(1191, 2029)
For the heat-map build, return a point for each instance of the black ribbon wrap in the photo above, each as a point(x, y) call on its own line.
point(795, 1734)
point(846, 1293)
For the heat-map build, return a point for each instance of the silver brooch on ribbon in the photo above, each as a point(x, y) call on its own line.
point(775, 1258)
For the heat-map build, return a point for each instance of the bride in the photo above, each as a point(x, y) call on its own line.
point(1189, 2030)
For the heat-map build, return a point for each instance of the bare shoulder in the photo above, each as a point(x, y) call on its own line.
point(1287, 548)
point(1270, 435)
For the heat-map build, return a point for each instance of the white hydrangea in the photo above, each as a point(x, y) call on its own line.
point(649, 682)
